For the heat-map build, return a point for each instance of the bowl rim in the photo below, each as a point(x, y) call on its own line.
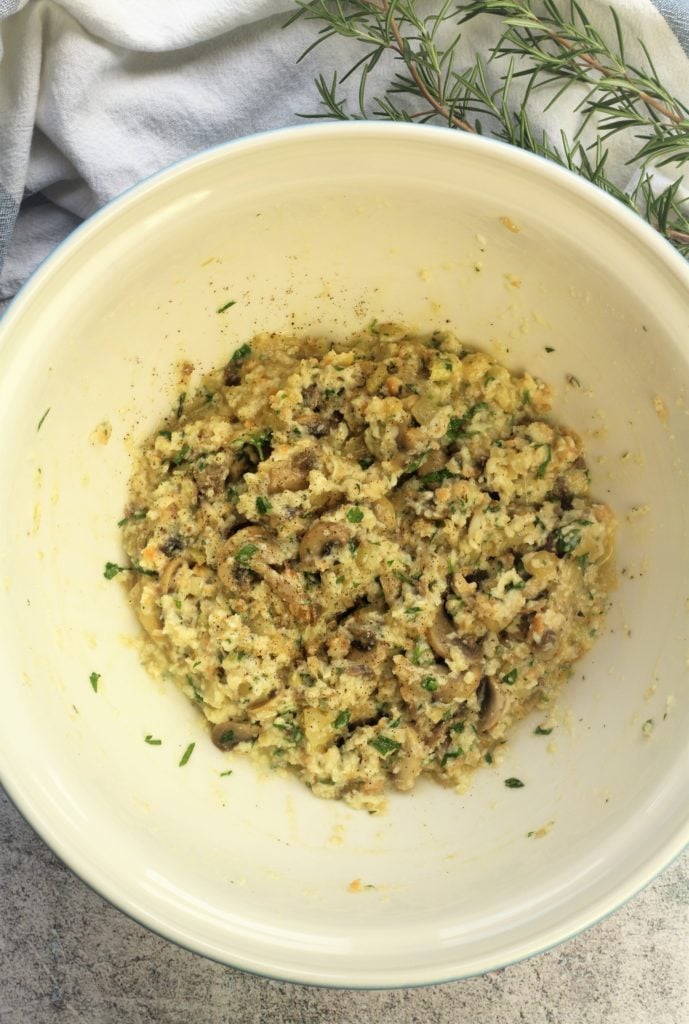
point(20, 794)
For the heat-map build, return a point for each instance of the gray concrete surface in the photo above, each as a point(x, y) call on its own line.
point(66, 955)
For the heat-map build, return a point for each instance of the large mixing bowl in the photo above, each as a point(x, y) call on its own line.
point(328, 228)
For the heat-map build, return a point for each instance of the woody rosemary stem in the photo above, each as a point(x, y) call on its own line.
point(551, 50)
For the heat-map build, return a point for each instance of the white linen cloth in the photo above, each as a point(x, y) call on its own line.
point(97, 94)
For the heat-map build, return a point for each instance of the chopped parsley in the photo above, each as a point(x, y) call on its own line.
point(511, 677)
point(451, 755)
point(186, 755)
point(221, 309)
point(342, 719)
point(488, 758)
point(135, 515)
point(241, 353)
point(179, 457)
point(180, 404)
point(223, 774)
point(355, 515)
point(260, 441)
point(384, 745)
point(42, 419)
point(429, 683)
point(540, 731)
point(291, 730)
point(112, 569)
point(151, 741)
point(93, 679)
point(366, 462)
point(412, 611)
point(422, 654)
point(437, 477)
point(246, 553)
point(540, 472)
point(567, 539)
point(458, 426)
point(263, 506)
point(513, 783)
point(414, 465)
point(549, 348)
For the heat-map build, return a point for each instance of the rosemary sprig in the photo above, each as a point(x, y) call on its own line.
point(550, 48)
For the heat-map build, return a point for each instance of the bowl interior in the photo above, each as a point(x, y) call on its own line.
point(324, 230)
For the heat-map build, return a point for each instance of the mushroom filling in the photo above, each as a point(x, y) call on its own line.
point(366, 559)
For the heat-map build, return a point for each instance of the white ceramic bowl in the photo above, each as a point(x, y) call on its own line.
point(327, 228)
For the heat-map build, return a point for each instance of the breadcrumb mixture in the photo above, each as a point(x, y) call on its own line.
point(364, 560)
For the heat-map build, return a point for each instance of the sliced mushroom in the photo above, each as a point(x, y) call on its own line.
point(435, 461)
point(318, 540)
point(392, 588)
point(492, 702)
point(268, 550)
point(168, 573)
point(289, 594)
point(290, 474)
point(227, 735)
point(439, 634)
point(411, 438)
point(385, 513)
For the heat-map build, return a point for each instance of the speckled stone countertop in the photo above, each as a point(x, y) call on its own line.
point(66, 955)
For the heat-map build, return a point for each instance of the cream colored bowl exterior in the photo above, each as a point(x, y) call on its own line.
point(325, 229)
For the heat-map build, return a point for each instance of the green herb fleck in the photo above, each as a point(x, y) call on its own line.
point(135, 515)
point(241, 353)
point(180, 404)
point(412, 611)
point(179, 457)
point(263, 506)
point(540, 731)
point(342, 719)
point(384, 745)
point(221, 309)
point(582, 561)
point(152, 742)
point(42, 419)
point(511, 677)
point(540, 472)
point(93, 679)
point(355, 515)
point(111, 570)
point(430, 479)
point(429, 683)
point(514, 783)
point(458, 426)
point(246, 553)
point(421, 654)
point(291, 730)
point(366, 462)
point(573, 381)
point(415, 463)
point(223, 774)
point(451, 755)
point(198, 696)
point(488, 758)
point(186, 755)
point(259, 441)
point(567, 539)
point(549, 348)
